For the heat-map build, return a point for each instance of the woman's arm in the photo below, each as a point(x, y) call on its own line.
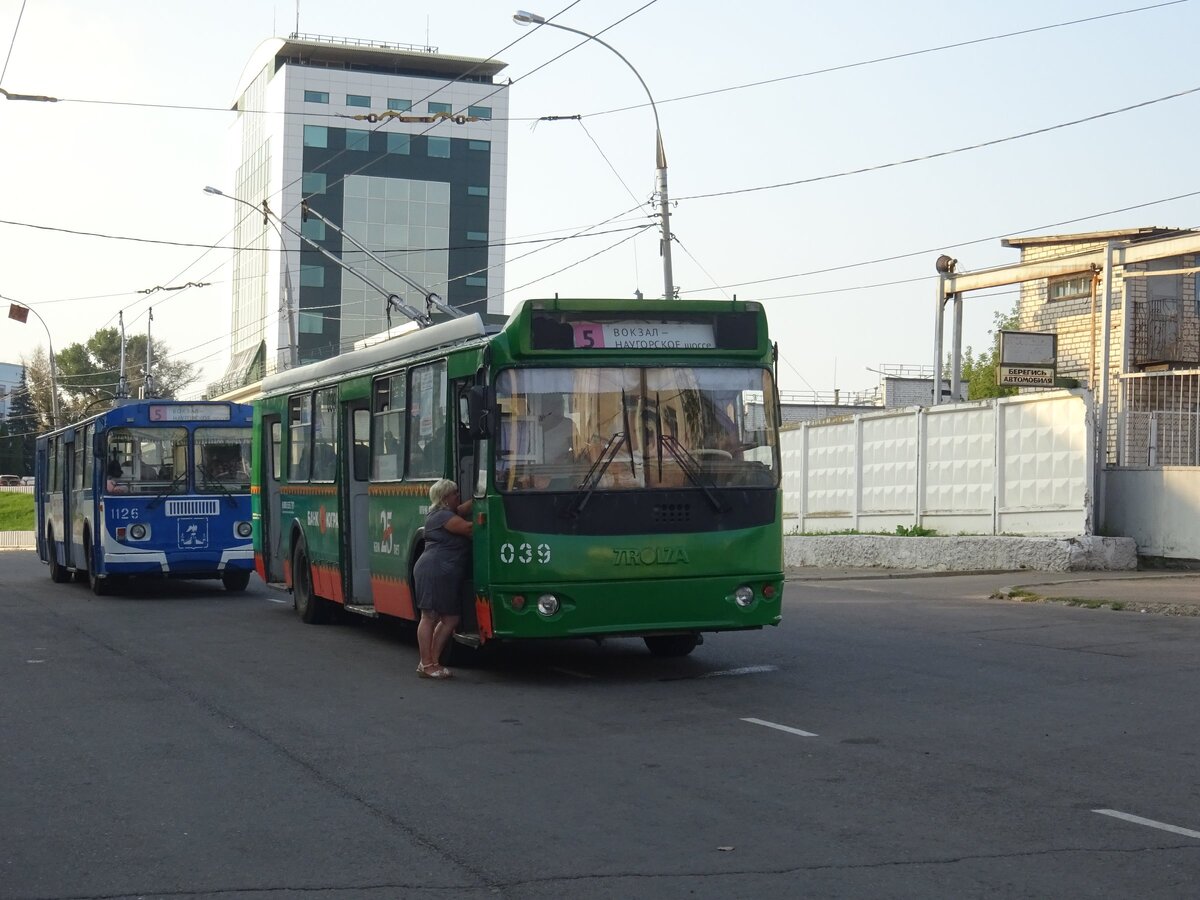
point(464, 510)
point(458, 525)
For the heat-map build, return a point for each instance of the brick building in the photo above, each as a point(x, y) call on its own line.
point(1153, 327)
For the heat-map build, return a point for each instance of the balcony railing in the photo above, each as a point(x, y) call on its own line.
point(358, 42)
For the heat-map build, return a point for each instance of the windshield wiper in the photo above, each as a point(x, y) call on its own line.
point(211, 482)
point(169, 489)
point(592, 479)
point(691, 468)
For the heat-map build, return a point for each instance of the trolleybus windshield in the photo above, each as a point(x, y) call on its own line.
point(222, 459)
point(146, 460)
point(608, 428)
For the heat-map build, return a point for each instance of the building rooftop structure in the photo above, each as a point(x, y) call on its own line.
point(355, 55)
point(1148, 233)
point(383, 170)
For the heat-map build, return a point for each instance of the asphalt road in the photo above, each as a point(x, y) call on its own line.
point(180, 742)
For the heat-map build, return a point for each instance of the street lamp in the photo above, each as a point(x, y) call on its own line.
point(527, 18)
point(293, 348)
point(20, 312)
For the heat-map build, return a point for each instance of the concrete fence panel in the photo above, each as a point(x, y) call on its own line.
point(1018, 465)
point(888, 450)
point(959, 466)
point(1046, 478)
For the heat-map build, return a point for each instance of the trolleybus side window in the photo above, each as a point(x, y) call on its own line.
point(87, 456)
point(325, 446)
point(387, 435)
point(427, 421)
point(299, 436)
point(82, 451)
point(362, 444)
point(56, 469)
point(276, 449)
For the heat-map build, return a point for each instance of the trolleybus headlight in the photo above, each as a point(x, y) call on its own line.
point(743, 596)
point(547, 604)
point(137, 532)
point(243, 529)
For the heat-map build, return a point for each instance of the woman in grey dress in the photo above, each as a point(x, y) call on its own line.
point(441, 575)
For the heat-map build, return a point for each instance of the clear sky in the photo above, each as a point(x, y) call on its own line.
point(138, 170)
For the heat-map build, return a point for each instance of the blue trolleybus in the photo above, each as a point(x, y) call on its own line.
point(150, 488)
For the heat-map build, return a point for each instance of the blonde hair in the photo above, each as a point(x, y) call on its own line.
point(439, 491)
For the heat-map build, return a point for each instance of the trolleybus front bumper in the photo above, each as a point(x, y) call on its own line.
point(611, 608)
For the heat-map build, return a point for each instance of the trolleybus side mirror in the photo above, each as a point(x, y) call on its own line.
point(478, 423)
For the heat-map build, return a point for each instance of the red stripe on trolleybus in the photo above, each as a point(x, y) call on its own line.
point(393, 597)
point(483, 617)
point(327, 582)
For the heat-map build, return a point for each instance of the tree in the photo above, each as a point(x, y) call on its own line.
point(37, 378)
point(979, 372)
point(88, 373)
point(22, 414)
point(19, 429)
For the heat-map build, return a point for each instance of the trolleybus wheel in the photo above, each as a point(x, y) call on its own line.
point(313, 610)
point(98, 585)
point(235, 579)
point(672, 644)
point(58, 574)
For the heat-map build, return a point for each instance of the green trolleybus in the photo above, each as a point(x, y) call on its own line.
point(623, 459)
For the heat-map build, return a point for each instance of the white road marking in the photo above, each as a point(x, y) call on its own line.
point(1138, 820)
point(273, 600)
point(778, 727)
point(744, 670)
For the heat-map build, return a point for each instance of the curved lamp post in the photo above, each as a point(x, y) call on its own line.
point(293, 348)
point(523, 17)
point(19, 311)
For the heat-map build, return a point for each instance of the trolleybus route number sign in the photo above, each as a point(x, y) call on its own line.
point(643, 336)
point(185, 412)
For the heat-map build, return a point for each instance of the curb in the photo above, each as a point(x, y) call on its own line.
point(18, 540)
point(795, 574)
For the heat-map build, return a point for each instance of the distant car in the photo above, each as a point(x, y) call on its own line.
point(27, 480)
point(10, 480)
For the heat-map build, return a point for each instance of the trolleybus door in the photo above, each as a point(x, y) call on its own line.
point(66, 459)
point(41, 471)
point(464, 474)
point(270, 510)
point(355, 532)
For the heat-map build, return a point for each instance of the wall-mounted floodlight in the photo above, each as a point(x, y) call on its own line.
point(945, 264)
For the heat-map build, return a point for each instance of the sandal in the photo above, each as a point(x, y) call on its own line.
point(434, 671)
